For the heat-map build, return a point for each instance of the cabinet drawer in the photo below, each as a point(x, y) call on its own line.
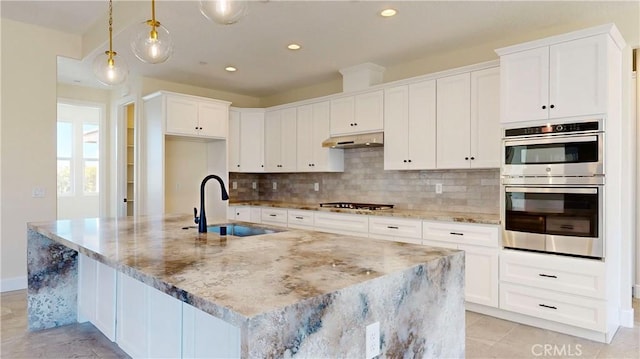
point(342, 223)
point(274, 215)
point(559, 307)
point(564, 274)
point(473, 234)
point(395, 227)
point(440, 244)
point(300, 219)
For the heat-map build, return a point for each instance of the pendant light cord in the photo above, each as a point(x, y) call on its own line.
point(111, 53)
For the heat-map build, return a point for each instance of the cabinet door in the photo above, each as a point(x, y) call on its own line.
point(342, 115)
point(164, 326)
point(87, 269)
point(524, 85)
point(369, 112)
point(578, 77)
point(182, 116)
point(132, 316)
point(453, 121)
point(304, 138)
point(422, 125)
point(205, 336)
point(252, 142)
point(485, 119)
point(106, 281)
point(273, 139)
point(212, 120)
point(324, 159)
point(288, 140)
point(481, 275)
point(234, 142)
point(396, 128)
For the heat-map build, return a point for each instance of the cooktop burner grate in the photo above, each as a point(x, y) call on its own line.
point(351, 205)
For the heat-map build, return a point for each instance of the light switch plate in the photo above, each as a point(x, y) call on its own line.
point(38, 192)
point(234, 185)
point(254, 185)
point(316, 186)
point(439, 188)
point(372, 342)
point(275, 185)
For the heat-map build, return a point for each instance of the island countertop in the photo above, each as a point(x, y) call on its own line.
point(215, 273)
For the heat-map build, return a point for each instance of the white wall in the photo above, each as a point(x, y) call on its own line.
point(28, 121)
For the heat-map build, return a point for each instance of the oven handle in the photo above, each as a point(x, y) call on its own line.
point(552, 190)
point(547, 140)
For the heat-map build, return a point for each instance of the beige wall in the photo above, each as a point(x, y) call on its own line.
point(28, 121)
point(150, 85)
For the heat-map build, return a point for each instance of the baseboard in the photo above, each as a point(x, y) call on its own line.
point(11, 284)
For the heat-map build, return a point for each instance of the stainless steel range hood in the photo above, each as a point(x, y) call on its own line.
point(355, 141)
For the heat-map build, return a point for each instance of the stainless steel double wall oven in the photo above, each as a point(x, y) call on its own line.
point(553, 188)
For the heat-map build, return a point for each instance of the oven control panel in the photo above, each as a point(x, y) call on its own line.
point(551, 129)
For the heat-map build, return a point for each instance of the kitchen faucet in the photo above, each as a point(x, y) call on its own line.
point(202, 220)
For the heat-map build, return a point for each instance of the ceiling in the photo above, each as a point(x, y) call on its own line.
point(333, 35)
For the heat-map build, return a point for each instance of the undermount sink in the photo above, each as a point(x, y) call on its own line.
point(239, 230)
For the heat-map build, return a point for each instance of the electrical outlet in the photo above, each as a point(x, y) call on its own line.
point(373, 340)
point(316, 186)
point(234, 185)
point(254, 185)
point(439, 188)
point(275, 185)
point(38, 192)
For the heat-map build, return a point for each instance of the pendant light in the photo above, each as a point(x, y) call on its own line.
point(105, 67)
point(225, 12)
point(152, 43)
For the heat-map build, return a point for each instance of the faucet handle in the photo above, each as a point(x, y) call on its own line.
point(195, 215)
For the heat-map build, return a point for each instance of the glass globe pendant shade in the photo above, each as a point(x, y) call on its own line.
point(225, 12)
point(152, 44)
point(109, 70)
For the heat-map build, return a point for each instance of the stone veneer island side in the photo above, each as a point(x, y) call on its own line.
point(291, 294)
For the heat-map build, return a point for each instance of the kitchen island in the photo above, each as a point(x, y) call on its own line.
point(292, 293)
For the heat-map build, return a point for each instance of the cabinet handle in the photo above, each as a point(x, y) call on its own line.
point(272, 215)
point(544, 107)
point(298, 217)
point(457, 233)
point(392, 227)
point(552, 106)
point(547, 275)
point(547, 306)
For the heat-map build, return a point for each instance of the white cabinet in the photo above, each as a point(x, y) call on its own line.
point(562, 289)
point(561, 80)
point(143, 332)
point(275, 216)
point(480, 243)
point(97, 295)
point(301, 219)
point(468, 128)
point(246, 140)
point(313, 128)
point(396, 229)
point(410, 126)
point(342, 223)
point(280, 140)
point(357, 114)
point(205, 336)
point(195, 116)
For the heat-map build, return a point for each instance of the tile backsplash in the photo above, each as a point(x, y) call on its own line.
point(365, 180)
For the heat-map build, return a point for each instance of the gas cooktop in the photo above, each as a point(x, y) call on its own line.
point(351, 205)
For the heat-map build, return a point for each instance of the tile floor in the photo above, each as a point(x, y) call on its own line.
point(486, 337)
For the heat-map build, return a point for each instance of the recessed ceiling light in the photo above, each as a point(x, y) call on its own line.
point(388, 12)
point(293, 47)
point(231, 69)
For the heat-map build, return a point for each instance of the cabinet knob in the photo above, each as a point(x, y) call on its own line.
point(409, 161)
point(473, 158)
point(544, 107)
point(261, 165)
point(355, 124)
point(405, 161)
point(552, 106)
point(466, 158)
point(238, 166)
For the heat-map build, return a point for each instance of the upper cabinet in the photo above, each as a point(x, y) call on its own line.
point(560, 77)
point(195, 116)
point(468, 127)
point(410, 126)
point(280, 140)
point(313, 128)
point(246, 140)
point(357, 114)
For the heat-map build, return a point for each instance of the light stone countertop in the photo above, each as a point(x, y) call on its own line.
point(466, 217)
point(235, 278)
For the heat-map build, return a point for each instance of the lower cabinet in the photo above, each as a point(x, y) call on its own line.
point(205, 336)
point(481, 246)
point(97, 295)
point(342, 223)
point(301, 219)
point(149, 321)
point(396, 229)
point(276, 216)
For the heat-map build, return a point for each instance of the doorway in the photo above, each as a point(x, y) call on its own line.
point(80, 168)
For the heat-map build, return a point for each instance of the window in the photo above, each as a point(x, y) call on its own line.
point(90, 157)
point(65, 154)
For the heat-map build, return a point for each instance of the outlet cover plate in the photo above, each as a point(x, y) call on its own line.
point(372, 341)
